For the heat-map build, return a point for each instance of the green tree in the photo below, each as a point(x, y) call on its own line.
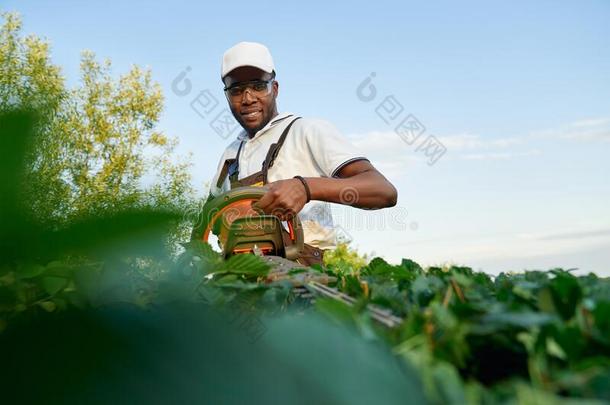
point(97, 146)
point(345, 259)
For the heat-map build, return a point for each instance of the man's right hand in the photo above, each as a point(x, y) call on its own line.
point(284, 199)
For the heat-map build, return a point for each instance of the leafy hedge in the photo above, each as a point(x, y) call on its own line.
point(535, 336)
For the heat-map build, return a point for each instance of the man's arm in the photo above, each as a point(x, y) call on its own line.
point(359, 185)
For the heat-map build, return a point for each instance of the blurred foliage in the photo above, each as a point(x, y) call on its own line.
point(82, 322)
point(48, 267)
point(96, 146)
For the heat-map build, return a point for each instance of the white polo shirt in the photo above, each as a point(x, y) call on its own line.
point(313, 148)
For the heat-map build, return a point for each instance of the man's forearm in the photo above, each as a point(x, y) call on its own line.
point(363, 190)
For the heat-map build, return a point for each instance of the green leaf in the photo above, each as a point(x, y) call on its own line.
point(336, 310)
point(53, 285)
point(449, 383)
point(246, 264)
point(566, 293)
point(554, 349)
point(601, 314)
point(411, 266)
point(424, 288)
point(48, 306)
point(30, 270)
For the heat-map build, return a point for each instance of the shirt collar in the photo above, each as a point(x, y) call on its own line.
point(276, 120)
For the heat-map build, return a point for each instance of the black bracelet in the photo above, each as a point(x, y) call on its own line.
point(307, 191)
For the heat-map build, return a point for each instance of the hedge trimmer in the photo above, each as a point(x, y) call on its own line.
point(243, 229)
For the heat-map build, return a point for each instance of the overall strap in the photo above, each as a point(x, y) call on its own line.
point(230, 168)
point(234, 170)
point(274, 149)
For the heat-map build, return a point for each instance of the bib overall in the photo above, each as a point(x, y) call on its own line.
point(310, 254)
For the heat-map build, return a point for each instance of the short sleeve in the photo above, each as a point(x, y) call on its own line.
point(331, 149)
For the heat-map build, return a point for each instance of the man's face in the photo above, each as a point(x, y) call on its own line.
point(252, 111)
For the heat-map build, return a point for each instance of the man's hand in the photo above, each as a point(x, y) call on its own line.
point(284, 199)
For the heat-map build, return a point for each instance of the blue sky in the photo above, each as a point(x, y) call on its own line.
point(518, 93)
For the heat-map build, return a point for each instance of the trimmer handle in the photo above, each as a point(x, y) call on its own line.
point(239, 199)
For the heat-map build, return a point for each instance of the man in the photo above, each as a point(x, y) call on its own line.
point(304, 163)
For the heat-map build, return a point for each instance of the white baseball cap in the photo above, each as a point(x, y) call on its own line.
point(247, 54)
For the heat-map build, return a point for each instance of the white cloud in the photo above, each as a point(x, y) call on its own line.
point(500, 155)
point(389, 152)
point(587, 130)
point(394, 155)
point(584, 233)
point(595, 122)
point(380, 143)
point(476, 142)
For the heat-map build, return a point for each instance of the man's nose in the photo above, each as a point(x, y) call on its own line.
point(247, 97)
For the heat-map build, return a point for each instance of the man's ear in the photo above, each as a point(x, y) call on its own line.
point(276, 88)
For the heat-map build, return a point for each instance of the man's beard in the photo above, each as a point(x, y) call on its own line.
point(266, 118)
